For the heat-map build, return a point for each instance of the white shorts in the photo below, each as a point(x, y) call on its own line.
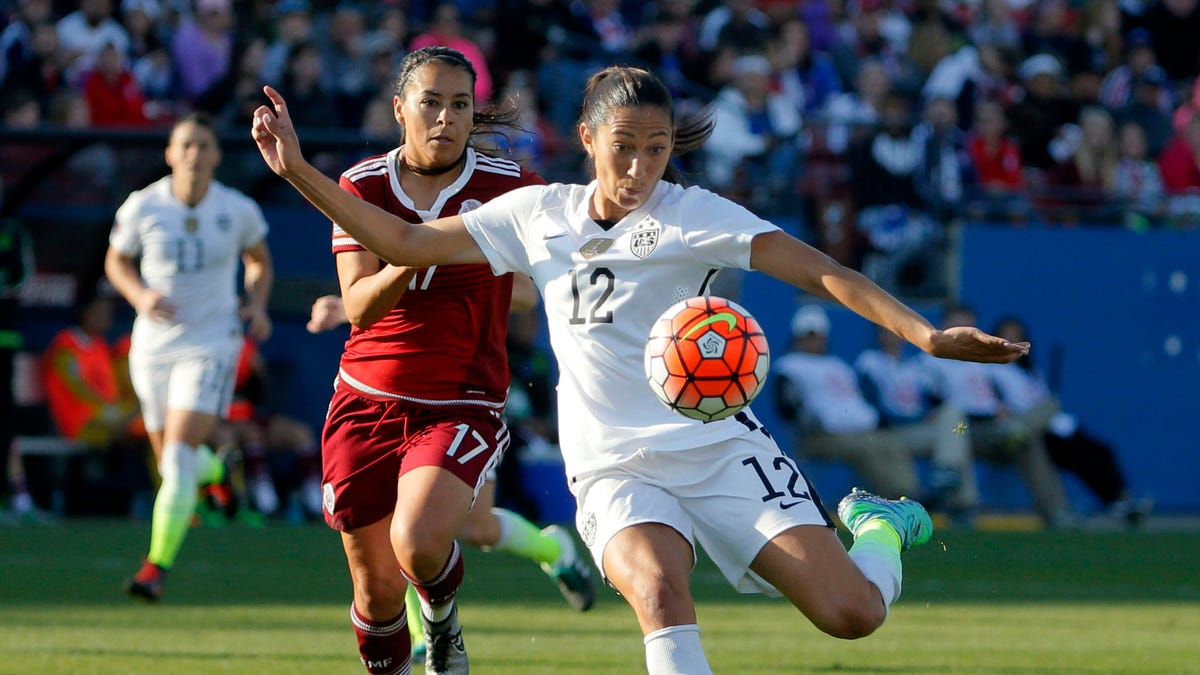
point(201, 383)
point(733, 496)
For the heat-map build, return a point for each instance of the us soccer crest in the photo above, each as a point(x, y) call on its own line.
point(645, 239)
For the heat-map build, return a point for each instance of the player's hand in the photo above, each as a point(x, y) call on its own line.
point(327, 312)
point(275, 136)
point(967, 343)
point(258, 322)
point(152, 304)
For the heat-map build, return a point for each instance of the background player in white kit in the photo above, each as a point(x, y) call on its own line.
point(189, 232)
point(608, 257)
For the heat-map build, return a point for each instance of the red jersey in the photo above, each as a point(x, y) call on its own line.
point(443, 342)
point(80, 380)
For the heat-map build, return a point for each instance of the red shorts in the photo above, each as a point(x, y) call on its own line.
point(367, 445)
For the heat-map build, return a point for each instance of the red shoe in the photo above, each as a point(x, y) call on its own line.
point(147, 583)
point(221, 499)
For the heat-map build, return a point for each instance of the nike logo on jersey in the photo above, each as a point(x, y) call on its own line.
point(787, 505)
point(729, 319)
point(553, 235)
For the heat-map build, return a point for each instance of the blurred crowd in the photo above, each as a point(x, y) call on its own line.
point(873, 126)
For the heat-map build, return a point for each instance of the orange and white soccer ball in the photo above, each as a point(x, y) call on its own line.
point(706, 358)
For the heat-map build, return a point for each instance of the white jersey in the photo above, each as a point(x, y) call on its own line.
point(1022, 389)
point(191, 256)
point(899, 384)
point(603, 289)
point(828, 391)
point(966, 385)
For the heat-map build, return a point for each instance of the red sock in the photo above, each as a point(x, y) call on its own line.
point(384, 647)
point(441, 589)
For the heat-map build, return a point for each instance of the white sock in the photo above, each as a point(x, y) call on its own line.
point(676, 650)
point(881, 568)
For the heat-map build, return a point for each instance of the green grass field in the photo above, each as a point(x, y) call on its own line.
point(247, 600)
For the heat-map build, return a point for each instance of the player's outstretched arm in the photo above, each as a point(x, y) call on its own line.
point(789, 259)
point(442, 242)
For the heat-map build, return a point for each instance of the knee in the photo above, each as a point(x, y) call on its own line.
point(420, 550)
point(851, 621)
point(659, 597)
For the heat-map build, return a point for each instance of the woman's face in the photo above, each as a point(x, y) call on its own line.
point(437, 111)
point(631, 151)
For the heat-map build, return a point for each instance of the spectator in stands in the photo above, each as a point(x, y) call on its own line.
point(174, 254)
point(1173, 25)
point(84, 32)
point(150, 58)
point(39, 70)
point(669, 46)
point(88, 402)
point(113, 96)
point(807, 78)
point(997, 432)
point(303, 82)
point(1116, 90)
point(244, 85)
point(1072, 448)
point(1179, 165)
point(293, 26)
point(1150, 108)
point(17, 50)
point(946, 173)
point(1050, 30)
point(275, 449)
point(389, 34)
point(851, 116)
point(754, 155)
point(734, 24)
point(1137, 181)
point(203, 49)
point(347, 70)
point(1083, 183)
point(446, 29)
point(995, 25)
point(883, 188)
point(1023, 388)
point(819, 396)
point(895, 384)
point(1037, 118)
point(863, 38)
point(996, 159)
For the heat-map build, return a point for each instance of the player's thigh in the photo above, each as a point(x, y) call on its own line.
point(613, 501)
point(742, 493)
point(150, 380)
point(360, 460)
point(809, 565)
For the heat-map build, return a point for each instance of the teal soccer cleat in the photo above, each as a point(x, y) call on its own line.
point(908, 518)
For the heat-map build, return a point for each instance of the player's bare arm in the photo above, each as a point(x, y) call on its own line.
point(122, 273)
point(441, 242)
point(259, 275)
point(370, 287)
point(788, 259)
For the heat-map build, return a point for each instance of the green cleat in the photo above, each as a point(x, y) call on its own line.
point(571, 571)
point(908, 518)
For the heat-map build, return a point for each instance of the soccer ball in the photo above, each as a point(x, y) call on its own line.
point(706, 358)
